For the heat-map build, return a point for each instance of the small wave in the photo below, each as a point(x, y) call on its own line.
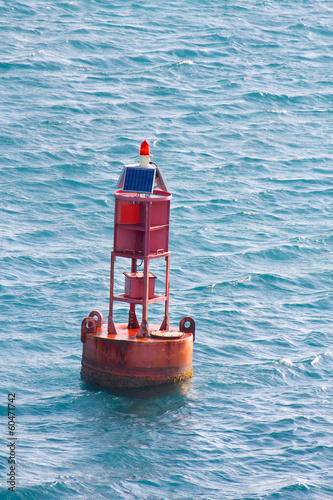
point(277, 111)
point(212, 286)
point(286, 362)
point(316, 360)
point(266, 96)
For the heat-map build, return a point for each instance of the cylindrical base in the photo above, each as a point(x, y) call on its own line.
point(123, 360)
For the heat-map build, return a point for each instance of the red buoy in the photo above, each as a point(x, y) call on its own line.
point(138, 354)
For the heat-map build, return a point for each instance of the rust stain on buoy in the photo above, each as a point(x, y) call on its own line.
point(123, 360)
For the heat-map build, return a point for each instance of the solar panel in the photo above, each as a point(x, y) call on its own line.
point(139, 180)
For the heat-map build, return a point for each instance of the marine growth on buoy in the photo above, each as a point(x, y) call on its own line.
point(133, 353)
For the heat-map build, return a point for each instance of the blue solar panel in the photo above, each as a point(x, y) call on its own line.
point(139, 180)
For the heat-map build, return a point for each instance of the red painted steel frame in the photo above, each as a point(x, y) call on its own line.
point(141, 231)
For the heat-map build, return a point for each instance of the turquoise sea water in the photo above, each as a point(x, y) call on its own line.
point(236, 101)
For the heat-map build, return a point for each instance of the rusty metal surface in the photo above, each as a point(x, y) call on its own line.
point(139, 361)
point(110, 380)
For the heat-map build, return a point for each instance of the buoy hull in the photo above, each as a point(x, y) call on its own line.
point(123, 360)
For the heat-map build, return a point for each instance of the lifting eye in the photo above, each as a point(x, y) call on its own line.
point(96, 315)
point(88, 325)
point(187, 325)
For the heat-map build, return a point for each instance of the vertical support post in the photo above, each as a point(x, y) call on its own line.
point(111, 325)
point(165, 323)
point(147, 228)
point(132, 319)
point(143, 330)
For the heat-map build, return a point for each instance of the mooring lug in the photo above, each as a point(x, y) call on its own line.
point(88, 325)
point(187, 328)
point(98, 315)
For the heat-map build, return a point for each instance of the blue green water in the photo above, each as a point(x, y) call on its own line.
point(236, 101)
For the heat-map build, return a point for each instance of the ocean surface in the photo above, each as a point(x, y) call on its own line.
point(236, 102)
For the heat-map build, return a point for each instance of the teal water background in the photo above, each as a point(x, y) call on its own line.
point(236, 101)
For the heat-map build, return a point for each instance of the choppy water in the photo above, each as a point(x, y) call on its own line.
point(236, 101)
